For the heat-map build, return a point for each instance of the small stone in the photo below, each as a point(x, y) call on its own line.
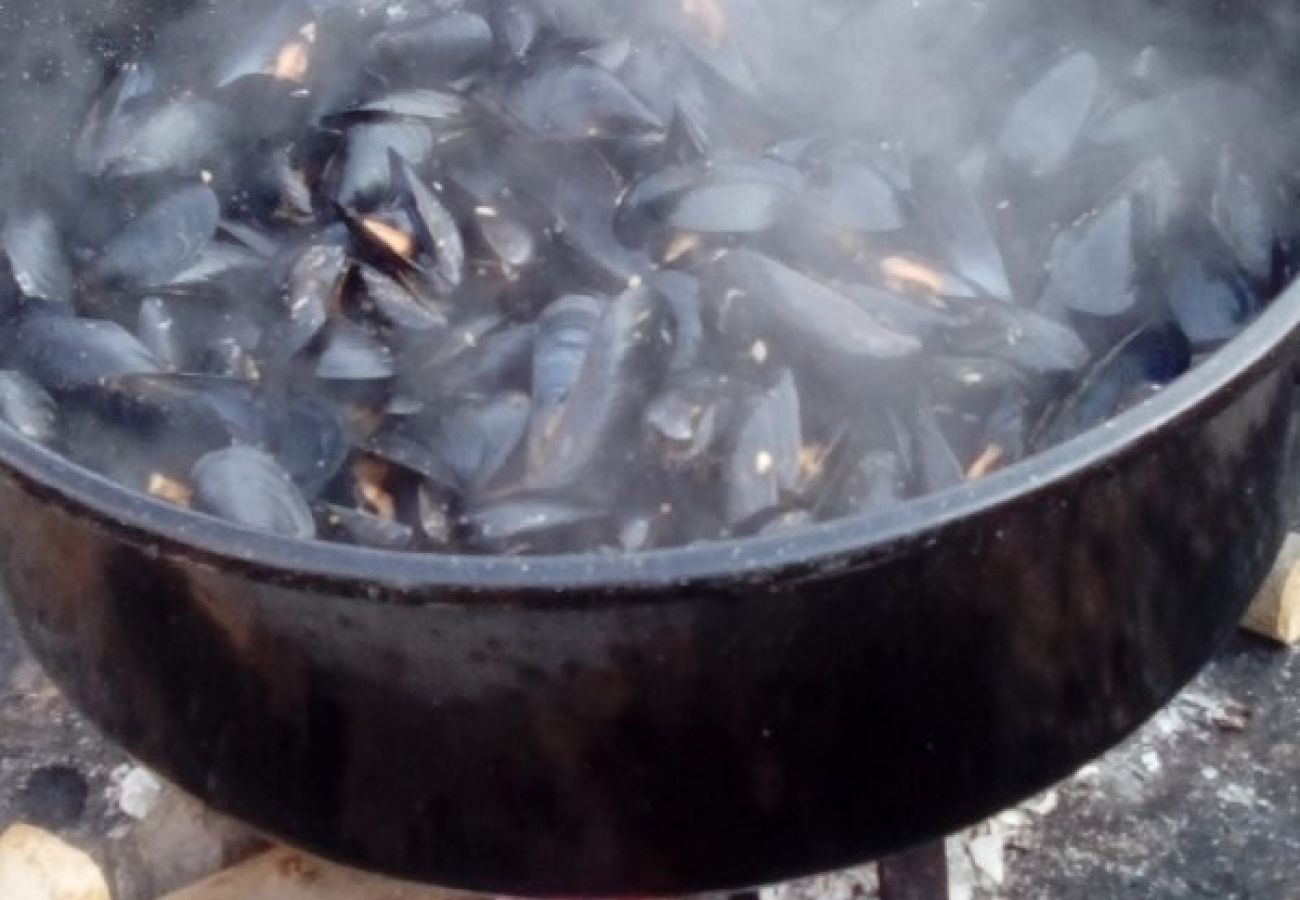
point(138, 792)
point(986, 853)
point(1231, 717)
point(36, 865)
point(1045, 804)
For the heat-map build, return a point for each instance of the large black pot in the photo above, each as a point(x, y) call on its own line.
point(712, 716)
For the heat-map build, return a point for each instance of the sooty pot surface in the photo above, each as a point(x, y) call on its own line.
point(713, 716)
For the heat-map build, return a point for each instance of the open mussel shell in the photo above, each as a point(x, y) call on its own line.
point(362, 174)
point(282, 47)
point(440, 247)
point(407, 308)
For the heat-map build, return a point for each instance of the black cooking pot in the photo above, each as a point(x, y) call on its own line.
point(712, 716)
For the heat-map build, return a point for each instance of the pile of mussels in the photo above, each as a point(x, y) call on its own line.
point(515, 276)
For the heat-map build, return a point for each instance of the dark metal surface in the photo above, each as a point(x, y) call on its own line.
point(714, 716)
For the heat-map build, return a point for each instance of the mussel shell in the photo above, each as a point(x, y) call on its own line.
point(564, 332)
point(248, 487)
point(864, 481)
point(131, 427)
point(687, 424)
point(351, 353)
point(853, 196)
point(631, 350)
point(478, 439)
point(533, 524)
point(281, 27)
point(440, 48)
point(64, 353)
point(763, 467)
point(181, 138)
point(1025, 338)
point(108, 126)
point(34, 246)
point(1046, 123)
point(417, 103)
point(509, 243)
point(157, 330)
point(355, 526)
point(1211, 300)
point(364, 176)
point(683, 293)
point(1248, 210)
point(572, 100)
point(312, 292)
point(951, 211)
point(217, 266)
point(435, 227)
point(934, 460)
point(26, 408)
point(1152, 356)
point(160, 242)
point(517, 25)
point(406, 309)
point(759, 306)
point(476, 360)
point(1094, 264)
point(743, 197)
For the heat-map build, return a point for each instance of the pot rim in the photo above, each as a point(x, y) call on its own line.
point(586, 578)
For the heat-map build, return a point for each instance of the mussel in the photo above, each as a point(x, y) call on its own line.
point(552, 276)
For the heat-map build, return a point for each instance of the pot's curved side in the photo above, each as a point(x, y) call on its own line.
point(701, 738)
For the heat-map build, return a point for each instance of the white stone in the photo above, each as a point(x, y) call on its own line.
point(36, 865)
point(138, 792)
